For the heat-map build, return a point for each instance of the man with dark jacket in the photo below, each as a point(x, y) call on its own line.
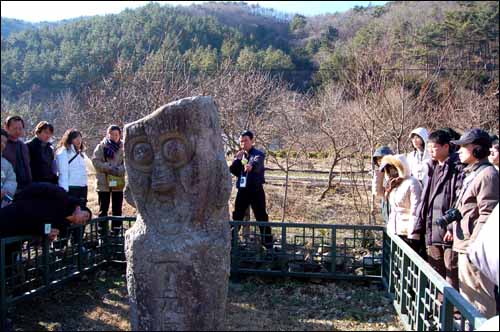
point(445, 176)
point(16, 152)
point(248, 167)
point(42, 154)
point(476, 200)
point(39, 208)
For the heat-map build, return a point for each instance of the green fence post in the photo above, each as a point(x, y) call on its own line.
point(446, 314)
point(385, 260)
point(406, 263)
point(422, 285)
point(235, 250)
point(283, 255)
point(333, 252)
point(81, 230)
point(392, 253)
point(46, 261)
point(107, 240)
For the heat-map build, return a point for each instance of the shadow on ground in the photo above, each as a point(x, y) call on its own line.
point(98, 302)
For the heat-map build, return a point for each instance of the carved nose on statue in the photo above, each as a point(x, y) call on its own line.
point(163, 181)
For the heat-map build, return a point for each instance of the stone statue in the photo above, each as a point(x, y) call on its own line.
point(178, 251)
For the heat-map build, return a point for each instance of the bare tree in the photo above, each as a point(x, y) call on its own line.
point(285, 130)
point(330, 116)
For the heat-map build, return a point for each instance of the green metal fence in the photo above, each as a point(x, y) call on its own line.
point(307, 250)
point(422, 298)
point(30, 265)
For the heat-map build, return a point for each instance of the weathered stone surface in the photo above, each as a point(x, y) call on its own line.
point(178, 250)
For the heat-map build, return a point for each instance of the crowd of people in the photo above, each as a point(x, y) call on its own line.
point(44, 188)
point(438, 199)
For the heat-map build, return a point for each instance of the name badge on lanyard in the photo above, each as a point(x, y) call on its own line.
point(243, 181)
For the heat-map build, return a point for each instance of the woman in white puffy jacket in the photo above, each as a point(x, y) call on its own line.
point(419, 158)
point(71, 165)
point(403, 195)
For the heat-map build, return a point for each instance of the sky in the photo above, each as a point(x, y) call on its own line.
point(37, 11)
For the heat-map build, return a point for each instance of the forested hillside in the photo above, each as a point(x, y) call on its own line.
point(54, 57)
point(383, 68)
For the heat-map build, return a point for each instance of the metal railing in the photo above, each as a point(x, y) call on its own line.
point(30, 265)
point(307, 250)
point(422, 298)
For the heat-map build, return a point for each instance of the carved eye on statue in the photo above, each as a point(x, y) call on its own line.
point(176, 151)
point(141, 154)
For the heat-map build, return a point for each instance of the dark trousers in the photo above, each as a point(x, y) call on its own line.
point(417, 245)
point(116, 198)
point(256, 198)
point(445, 261)
point(81, 194)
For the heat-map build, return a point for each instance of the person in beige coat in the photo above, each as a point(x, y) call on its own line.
point(403, 196)
point(476, 200)
point(110, 174)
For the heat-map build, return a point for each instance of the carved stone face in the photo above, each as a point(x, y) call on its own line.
point(177, 174)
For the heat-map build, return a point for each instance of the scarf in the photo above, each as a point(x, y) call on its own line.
point(110, 148)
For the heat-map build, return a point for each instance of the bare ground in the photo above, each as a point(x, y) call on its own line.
point(99, 302)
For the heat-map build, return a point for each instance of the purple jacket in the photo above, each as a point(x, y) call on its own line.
point(434, 204)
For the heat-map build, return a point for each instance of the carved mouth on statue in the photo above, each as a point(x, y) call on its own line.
point(164, 196)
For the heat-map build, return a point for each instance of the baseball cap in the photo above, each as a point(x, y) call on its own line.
point(475, 135)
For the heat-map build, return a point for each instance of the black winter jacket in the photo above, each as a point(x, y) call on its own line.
point(41, 160)
point(435, 204)
point(255, 179)
point(33, 207)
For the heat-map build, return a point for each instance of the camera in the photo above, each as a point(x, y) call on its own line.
point(448, 217)
point(7, 198)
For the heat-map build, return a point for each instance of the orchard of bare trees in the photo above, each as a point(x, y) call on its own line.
point(383, 72)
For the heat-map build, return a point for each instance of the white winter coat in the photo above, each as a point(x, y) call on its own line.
point(483, 252)
point(74, 174)
point(419, 161)
point(403, 200)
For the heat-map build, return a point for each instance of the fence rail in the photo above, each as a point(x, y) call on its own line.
point(422, 298)
point(307, 250)
point(30, 265)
